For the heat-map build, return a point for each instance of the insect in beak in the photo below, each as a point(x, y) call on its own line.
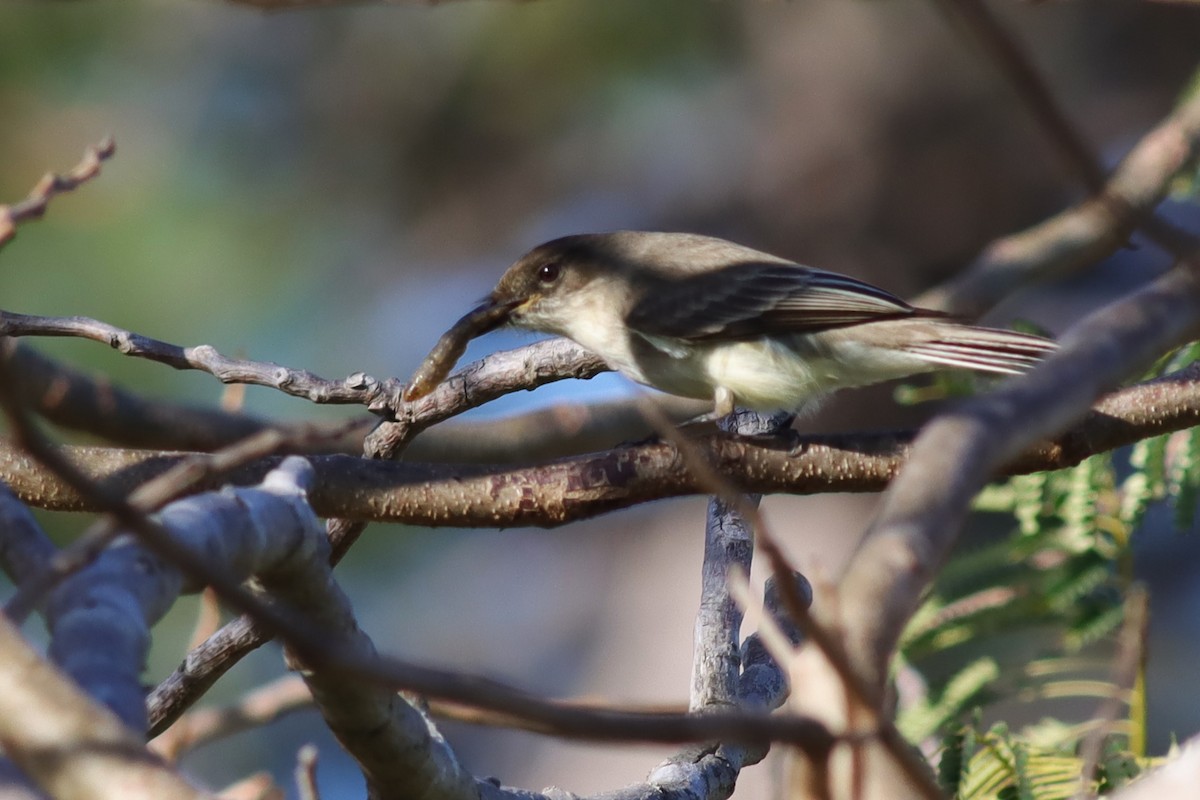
point(486, 317)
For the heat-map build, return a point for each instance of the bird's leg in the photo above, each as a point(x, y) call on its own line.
point(723, 403)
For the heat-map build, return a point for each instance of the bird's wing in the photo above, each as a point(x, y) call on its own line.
point(748, 300)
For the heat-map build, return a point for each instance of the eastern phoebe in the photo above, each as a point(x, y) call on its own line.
point(705, 318)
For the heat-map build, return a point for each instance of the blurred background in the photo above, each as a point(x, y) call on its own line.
point(330, 189)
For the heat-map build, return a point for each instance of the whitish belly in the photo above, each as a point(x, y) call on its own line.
point(763, 374)
point(768, 376)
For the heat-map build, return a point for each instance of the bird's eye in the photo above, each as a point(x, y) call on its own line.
point(549, 272)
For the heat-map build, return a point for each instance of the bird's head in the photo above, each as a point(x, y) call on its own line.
point(534, 293)
point(539, 289)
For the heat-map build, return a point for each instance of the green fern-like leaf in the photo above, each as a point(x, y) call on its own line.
point(996, 498)
point(1008, 766)
point(1078, 506)
point(1093, 628)
point(1180, 358)
point(1078, 579)
point(950, 762)
point(918, 723)
point(1183, 476)
point(1030, 498)
point(1146, 482)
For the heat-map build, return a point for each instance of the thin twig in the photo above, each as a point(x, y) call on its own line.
point(1031, 88)
point(1117, 205)
point(1131, 651)
point(51, 185)
point(475, 384)
point(357, 389)
point(1083, 235)
point(78, 401)
point(260, 706)
point(306, 773)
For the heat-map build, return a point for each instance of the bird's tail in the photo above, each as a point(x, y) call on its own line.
point(982, 349)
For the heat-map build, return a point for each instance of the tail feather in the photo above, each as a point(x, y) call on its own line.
point(983, 349)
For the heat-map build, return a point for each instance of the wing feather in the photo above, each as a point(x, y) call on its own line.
point(754, 299)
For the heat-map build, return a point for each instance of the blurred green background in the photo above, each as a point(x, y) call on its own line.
point(329, 189)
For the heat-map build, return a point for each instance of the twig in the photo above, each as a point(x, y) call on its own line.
point(481, 382)
point(1028, 84)
point(1131, 651)
point(260, 706)
point(51, 185)
point(1018, 69)
point(306, 773)
point(1087, 233)
point(356, 389)
point(475, 384)
point(72, 399)
point(78, 401)
point(863, 708)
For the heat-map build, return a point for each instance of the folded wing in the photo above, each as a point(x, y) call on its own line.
point(754, 299)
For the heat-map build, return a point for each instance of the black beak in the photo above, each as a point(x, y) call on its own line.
point(490, 314)
point(484, 318)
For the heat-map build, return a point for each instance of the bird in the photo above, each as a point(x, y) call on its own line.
point(705, 318)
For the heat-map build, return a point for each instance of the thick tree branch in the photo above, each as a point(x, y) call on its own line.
point(117, 598)
point(25, 548)
point(728, 545)
point(181, 479)
point(583, 486)
point(66, 742)
point(962, 449)
point(559, 718)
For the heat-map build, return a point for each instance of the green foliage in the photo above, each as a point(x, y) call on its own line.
point(998, 764)
point(1032, 616)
